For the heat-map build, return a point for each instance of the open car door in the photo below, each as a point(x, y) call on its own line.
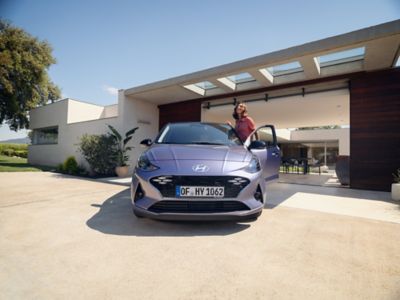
point(263, 143)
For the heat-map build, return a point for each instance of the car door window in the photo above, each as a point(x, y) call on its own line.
point(266, 135)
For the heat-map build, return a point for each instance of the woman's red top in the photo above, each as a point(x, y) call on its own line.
point(244, 126)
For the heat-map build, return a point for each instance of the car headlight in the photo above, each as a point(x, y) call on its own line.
point(254, 165)
point(145, 164)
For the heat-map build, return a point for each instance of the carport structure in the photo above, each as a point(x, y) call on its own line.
point(350, 79)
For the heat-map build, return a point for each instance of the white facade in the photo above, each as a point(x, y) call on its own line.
point(74, 119)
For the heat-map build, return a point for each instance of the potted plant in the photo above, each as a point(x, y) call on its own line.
point(396, 185)
point(122, 158)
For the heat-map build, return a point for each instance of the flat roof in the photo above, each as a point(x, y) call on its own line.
point(368, 49)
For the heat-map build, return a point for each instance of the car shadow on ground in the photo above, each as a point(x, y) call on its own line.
point(115, 217)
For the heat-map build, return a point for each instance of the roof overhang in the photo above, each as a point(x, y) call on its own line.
point(379, 45)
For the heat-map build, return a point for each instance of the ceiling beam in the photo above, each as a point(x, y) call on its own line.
point(381, 53)
point(310, 66)
point(265, 78)
point(221, 85)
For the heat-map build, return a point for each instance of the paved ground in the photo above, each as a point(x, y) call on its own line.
point(323, 179)
point(62, 237)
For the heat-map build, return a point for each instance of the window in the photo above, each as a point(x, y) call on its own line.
point(285, 69)
point(205, 85)
point(45, 136)
point(198, 133)
point(341, 57)
point(201, 87)
point(241, 78)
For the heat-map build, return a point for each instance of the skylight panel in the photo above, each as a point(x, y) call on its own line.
point(205, 85)
point(241, 78)
point(285, 69)
point(342, 57)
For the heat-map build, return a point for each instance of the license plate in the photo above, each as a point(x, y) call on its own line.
point(200, 191)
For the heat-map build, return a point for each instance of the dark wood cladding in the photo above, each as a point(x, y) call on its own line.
point(374, 129)
point(187, 111)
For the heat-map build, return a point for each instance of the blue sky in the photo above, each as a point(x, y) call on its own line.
point(102, 46)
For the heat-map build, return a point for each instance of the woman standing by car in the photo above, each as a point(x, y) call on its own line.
point(244, 124)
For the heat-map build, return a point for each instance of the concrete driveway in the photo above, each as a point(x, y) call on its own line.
point(63, 237)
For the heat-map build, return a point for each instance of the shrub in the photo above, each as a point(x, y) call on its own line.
point(60, 168)
point(70, 166)
point(100, 153)
point(8, 152)
point(21, 153)
point(396, 176)
point(121, 144)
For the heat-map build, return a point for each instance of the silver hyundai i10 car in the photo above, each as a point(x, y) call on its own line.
point(203, 171)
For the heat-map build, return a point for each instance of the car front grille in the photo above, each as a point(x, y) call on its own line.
point(197, 206)
point(167, 184)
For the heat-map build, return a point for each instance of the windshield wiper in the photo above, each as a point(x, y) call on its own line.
point(207, 143)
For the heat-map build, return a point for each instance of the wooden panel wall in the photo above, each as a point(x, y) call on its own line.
point(374, 129)
point(180, 112)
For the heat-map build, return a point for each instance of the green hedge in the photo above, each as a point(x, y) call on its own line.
point(20, 150)
point(14, 147)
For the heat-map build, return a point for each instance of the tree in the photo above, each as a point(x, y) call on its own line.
point(24, 82)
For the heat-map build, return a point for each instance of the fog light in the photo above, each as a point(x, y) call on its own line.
point(139, 193)
point(258, 195)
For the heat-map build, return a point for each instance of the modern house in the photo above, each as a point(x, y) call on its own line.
point(351, 80)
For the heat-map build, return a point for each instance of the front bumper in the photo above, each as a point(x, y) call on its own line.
point(226, 216)
point(153, 195)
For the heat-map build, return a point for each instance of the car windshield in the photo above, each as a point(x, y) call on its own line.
point(198, 133)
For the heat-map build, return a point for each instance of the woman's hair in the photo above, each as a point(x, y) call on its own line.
point(244, 113)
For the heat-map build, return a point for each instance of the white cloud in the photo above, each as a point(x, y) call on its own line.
point(111, 90)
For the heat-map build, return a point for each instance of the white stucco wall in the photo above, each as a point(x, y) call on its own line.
point(65, 114)
point(110, 111)
point(49, 115)
point(73, 119)
point(82, 111)
point(137, 113)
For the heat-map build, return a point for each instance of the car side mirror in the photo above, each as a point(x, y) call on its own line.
point(257, 145)
point(146, 143)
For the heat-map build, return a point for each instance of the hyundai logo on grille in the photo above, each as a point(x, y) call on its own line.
point(200, 168)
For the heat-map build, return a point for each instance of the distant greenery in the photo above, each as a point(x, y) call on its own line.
point(320, 127)
point(17, 164)
point(20, 150)
point(24, 81)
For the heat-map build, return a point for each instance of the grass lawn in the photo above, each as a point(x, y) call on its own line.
point(17, 164)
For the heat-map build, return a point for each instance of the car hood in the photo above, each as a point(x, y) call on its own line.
point(198, 152)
